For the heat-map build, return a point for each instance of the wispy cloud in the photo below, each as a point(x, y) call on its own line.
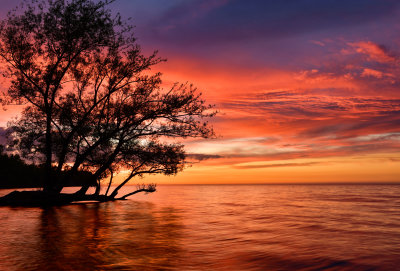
point(373, 51)
point(321, 118)
point(255, 166)
point(202, 156)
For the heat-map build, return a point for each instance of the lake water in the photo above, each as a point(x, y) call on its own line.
point(212, 227)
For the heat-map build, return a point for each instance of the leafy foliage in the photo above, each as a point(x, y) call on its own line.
point(92, 102)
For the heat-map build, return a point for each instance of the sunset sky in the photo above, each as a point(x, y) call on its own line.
point(308, 90)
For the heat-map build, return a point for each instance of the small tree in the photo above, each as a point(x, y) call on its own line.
point(91, 101)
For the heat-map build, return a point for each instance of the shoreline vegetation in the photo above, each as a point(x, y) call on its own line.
point(16, 174)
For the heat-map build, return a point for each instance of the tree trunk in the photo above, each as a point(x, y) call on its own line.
point(48, 178)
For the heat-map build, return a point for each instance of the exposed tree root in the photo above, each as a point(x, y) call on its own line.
point(42, 198)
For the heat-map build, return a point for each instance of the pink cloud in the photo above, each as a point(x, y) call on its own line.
point(360, 67)
point(317, 42)
point(373, 51)
point(371, 72)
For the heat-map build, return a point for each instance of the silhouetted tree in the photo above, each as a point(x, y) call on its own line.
point(91, 101)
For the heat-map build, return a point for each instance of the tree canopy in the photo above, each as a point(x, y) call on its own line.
point(91, 100)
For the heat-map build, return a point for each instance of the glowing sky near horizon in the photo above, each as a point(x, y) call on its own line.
point(308, 90)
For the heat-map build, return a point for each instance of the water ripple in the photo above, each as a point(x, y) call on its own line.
point(270, 227)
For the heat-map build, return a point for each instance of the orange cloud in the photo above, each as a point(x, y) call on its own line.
point(373, 51)
point(371, 72)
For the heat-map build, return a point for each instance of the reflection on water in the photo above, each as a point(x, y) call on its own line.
point(227, 227)
point(91, 237)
